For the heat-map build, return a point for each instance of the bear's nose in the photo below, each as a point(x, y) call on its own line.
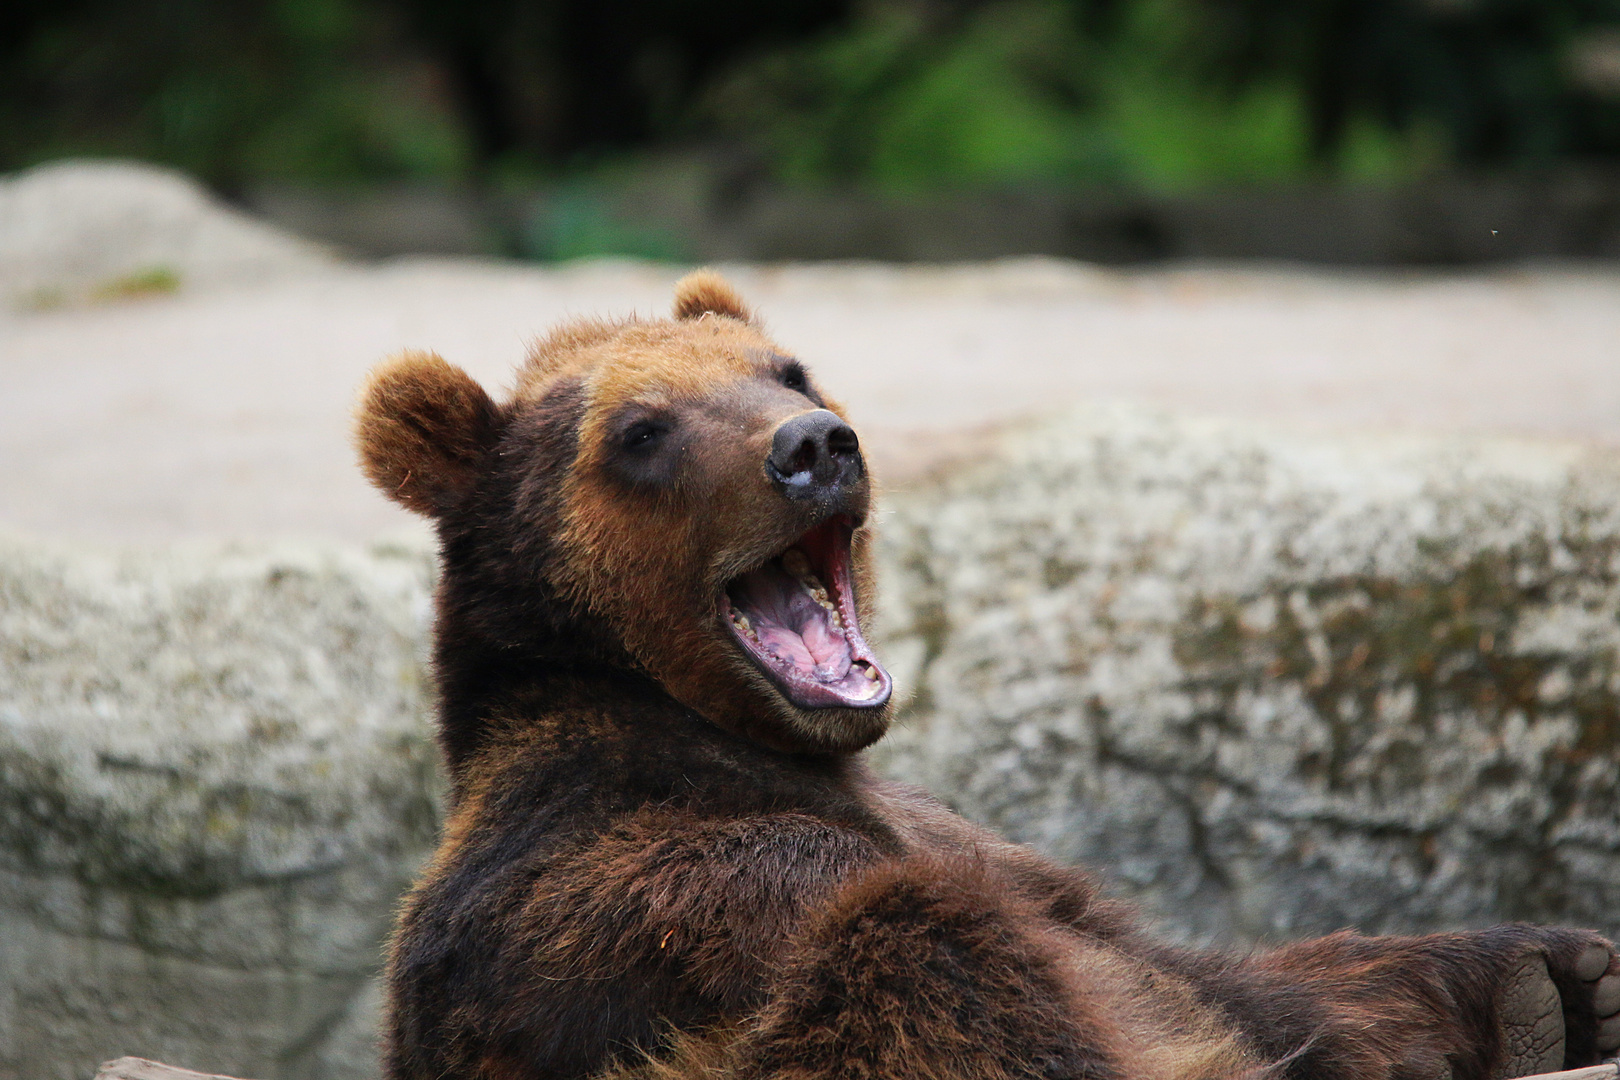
point(814, 455)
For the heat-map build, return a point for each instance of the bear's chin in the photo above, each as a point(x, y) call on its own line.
point(831, 731)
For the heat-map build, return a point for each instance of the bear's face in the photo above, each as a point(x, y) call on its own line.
point(683, 487)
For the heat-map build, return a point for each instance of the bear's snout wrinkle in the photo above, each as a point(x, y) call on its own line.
point(815, 455)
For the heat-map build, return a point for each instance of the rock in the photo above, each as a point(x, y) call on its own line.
point(77, 230)
point(1269, 684)
point(216, 778)
point(1273, 685)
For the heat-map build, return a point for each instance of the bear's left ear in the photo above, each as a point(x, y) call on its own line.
point(424, 428)
point(704, 292)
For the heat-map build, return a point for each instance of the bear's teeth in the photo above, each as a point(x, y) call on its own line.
point(796, 563)
point(818, 591)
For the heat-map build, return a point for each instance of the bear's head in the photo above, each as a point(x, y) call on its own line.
point(674, 497)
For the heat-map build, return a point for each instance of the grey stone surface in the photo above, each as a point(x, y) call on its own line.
point(77, 230)
point(1269, 684)
point(216, 777)
point(1274, 685)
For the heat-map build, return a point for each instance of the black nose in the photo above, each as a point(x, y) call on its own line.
point(814, 455)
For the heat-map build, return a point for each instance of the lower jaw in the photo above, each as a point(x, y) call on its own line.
point(767, 611)
point(812, 702)
point(809, 695)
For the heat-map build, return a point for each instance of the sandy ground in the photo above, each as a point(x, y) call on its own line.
point(224, 412)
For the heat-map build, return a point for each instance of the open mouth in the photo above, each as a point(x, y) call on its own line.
point(795, 617)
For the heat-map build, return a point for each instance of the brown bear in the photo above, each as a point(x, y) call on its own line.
point(664, 856)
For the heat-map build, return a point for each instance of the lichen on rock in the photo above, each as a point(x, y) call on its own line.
point(1271, 684)
point(216, 777)
point(1268, 684)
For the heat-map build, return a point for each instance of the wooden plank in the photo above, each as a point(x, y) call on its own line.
point(1606, 1071)
point(137, 1068)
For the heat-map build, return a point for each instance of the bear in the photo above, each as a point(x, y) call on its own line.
point(663, 855)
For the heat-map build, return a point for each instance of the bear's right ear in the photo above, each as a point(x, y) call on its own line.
point(704, 292)
point(424, 428)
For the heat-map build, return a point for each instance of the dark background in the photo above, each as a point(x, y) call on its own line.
point(1133, 128)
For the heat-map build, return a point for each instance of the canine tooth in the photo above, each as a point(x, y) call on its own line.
point(870, 673)
point(795, 562)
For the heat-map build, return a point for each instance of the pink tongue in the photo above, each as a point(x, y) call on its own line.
point(793, 627)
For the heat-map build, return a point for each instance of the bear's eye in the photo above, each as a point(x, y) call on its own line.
point(793, 377)
point(643, 435)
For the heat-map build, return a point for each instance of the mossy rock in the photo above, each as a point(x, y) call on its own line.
point(1274, 685)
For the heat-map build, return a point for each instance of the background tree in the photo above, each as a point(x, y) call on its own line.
point(1502, 79)
point(902, 93)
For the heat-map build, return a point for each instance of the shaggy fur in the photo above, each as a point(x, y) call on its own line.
point(656, 865)
point(707, 293)
point(426, 427)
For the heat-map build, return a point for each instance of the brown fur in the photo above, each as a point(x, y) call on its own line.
point(422, 427)
point(656, 866)
point(707, 293)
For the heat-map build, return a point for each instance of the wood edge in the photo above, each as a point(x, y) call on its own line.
point(1607, 1071)
point(139, 1068)
point(130, 1067)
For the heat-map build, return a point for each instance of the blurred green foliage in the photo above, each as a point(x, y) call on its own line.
point(318, 90)
point(1499, 81)
point(1182, 93)
point(900, 94)
point(1020, 91)
point(577, 223)
point(367, 90)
